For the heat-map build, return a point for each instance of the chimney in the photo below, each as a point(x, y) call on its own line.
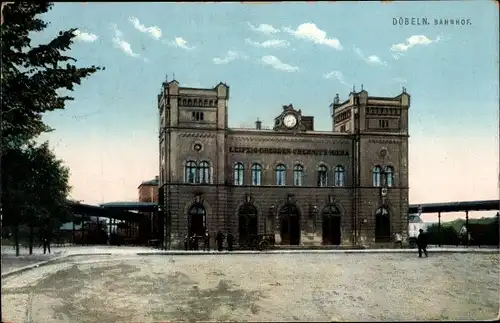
point(157, 177)
point(258, 124)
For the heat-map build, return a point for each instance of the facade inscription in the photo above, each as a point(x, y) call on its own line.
point(288, 151)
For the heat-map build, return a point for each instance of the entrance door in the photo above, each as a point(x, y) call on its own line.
point(197, 218)
point(247, 224)
point(382, 225)
point(290, 225)
point(331, 226)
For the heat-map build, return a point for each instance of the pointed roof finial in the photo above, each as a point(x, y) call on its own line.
point(404, 89)
point(166, 77)
point(173, 77)
point(361, 87)
point(354, 88)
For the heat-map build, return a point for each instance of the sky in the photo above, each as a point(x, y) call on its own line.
point(275, 54)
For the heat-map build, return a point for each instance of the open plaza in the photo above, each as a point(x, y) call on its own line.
point(109, 284)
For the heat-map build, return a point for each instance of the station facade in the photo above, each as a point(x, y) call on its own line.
point(347, 186)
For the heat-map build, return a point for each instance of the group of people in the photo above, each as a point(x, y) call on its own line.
point(421, 242)
point(192, 242)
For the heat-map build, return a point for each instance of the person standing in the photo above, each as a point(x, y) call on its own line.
point(398, 240)
point(186, 242)
point(46, 240)
point(220, 240)
point(206, 241)
point(195, 242)
point(230, 241)
point(422, 243)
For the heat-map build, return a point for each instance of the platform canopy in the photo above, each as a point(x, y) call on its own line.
point(487, 205)
point(118, 213)
point(131, 206)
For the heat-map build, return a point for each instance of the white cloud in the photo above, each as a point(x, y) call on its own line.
point(412, 41)
point(231, 56)
point(336, 75)
point(372, 59)
point(272, 43)
point(312, 33)
point(121, 44)
point(275, 63)
point(264, 28)
point(181, 43)
point(154, 31)
point(85, 37)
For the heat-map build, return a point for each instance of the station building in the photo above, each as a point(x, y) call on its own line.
point(347, 186)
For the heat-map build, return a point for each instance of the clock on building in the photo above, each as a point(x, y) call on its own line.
point(290, 120)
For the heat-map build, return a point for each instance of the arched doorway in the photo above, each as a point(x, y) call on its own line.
point(382, 225)
point(331, 225)
point(197, 218)
point(247, 224)
point(290, 224)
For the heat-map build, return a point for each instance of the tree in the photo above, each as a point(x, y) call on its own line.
point(32, 76)
point(34, 182)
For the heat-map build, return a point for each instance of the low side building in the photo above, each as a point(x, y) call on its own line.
point(347, 186)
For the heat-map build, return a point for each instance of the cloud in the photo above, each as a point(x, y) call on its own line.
point(85, 37)
point(121, 44)
point(264, 28)
point(231, 56)
point(415, 40)
point(275, 63)
point(372, 59)
point(180, 42)
point(311, 32)
point(272, 43)
point(336, 75)
point(153, 31)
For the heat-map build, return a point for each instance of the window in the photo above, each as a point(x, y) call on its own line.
point(238, 174)
point(342, 128)
point(280, 175)
point(256, 174)
point(298, 175)
point(211, 103)
point(197, 116)
point(389, 176)
point(190, 175)
point(339, 176)
point(383, 124)
point(190, 102)
point(205, 103)
point(377, 171)
point(322, 176)
point(204, 172)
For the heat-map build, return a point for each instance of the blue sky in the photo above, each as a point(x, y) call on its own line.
point(275, 54)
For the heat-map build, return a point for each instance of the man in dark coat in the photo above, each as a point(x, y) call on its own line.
point(422, 243)
point(219, 238)
point(230, 241)
point(186, 242)
point(46, 240)
point(206, 241)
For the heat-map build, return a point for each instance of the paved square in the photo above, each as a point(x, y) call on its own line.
point(260, 287)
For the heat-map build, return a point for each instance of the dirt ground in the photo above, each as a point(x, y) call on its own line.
point(293, 287)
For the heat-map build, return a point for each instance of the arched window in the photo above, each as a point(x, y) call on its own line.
point(205, 103)
point(211, 103)
point(322, 176)
point(204, 172)
point(195, 102)
point(256, 174)
point(298, 175)
point(377, 172)
point(389, 176)
point(281, 175)
point(190, 172)
point(238, 173)
point(184, 102)
point(339, 176)
point(189, 102)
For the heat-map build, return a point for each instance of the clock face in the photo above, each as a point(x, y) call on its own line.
point(290, 121)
